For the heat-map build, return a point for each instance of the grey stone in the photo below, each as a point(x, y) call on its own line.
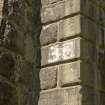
point(89, 29)
point(60, 10)
point(47, 2)
point(71, 49)
point(49, 34)
point(76, 72)
point(48, 77)
point(52, 13)
point(75, 95)
point(68, 7)
point(87, 74)
point(92, 10)
point(69, 73)
point(69, 27)
point(49, 98)
point(77, 25)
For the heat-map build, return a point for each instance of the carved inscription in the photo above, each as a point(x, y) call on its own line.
point(62, 51)
point(68, 50)
point(53, 54)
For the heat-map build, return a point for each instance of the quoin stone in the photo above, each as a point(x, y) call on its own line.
point(61, 51)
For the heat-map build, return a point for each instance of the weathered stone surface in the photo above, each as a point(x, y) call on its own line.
point(87, 51)
point(49, 34)
point(87, 74)
point(51, 13)
point(48, 98)
point(75, 48)
point(69, 73)
point(77, 25)
point(68, 7)
point(102, 16)
point(77, 71)
point(92, 10)
point(71, 7)
point(59, 10)
point(74, 96)
point(17, 35)
point(69, 27)
point(56, 52)
point(47, 2)
point(48, 77)
point(89, 29)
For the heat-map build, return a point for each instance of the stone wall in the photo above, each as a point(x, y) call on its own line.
point(52, 52)
point(72, 48)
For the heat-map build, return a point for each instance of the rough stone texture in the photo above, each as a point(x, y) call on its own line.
point(49, 34)
point(76, 47)
point(40, 41)
point(92, 10)
point(48, 77)
point(77, 25)
point(81, 48)
point(67, 28)
point(69, 73)
point(48, 98)
point(54, 11)
point(70, 27)
point(47, 2)
point(72, 96)
point(75, 72)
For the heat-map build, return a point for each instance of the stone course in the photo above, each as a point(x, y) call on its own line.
point(48, 77)
point(74, 41)
point(78, 48)
point(72, 95)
